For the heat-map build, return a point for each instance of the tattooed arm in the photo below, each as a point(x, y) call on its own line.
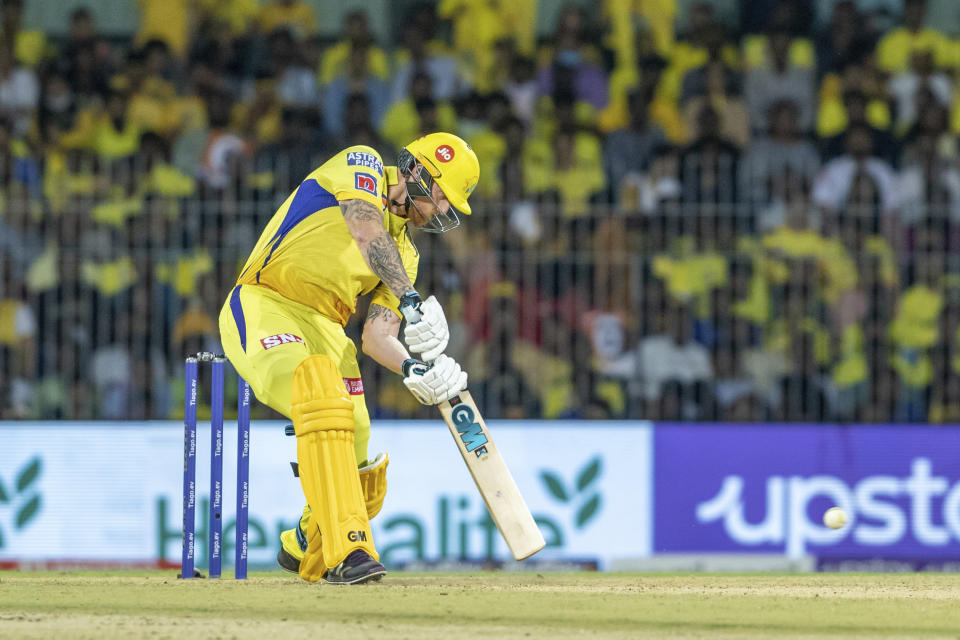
point(380, 252)
point(380, 342)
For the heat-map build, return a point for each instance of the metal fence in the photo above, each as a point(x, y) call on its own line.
point(692, 297)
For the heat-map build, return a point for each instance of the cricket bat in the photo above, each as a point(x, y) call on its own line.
point(491, 475)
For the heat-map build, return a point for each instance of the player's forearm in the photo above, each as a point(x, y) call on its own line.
point(378, 249)
point(384, 260)
point(386, 350)
point(379, 339)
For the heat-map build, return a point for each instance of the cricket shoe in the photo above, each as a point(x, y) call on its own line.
point(357, 568)
point(293, 544)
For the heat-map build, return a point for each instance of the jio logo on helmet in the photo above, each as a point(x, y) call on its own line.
point(444, 153)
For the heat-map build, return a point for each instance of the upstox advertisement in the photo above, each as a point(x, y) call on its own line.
point(724, 487)
point(109, 493)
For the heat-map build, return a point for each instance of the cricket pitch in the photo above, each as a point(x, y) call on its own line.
point(482, 605)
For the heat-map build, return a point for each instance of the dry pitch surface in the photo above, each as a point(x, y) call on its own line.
point(482, 605)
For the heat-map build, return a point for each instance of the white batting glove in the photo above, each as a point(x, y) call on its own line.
point(433, 383)
point(429, 336)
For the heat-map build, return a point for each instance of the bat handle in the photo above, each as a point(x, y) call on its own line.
point(410, 307)
point(411, 315)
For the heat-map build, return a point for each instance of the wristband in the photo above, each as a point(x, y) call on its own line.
point(409, 364)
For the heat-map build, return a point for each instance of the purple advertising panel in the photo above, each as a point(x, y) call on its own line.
point(765, 487)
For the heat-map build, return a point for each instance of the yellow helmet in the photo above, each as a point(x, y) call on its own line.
point(451, 163)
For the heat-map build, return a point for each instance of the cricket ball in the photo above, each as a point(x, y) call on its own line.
point(834, 517)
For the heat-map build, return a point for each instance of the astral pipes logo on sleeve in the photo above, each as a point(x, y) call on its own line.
point(362, 159)
point(281, 338)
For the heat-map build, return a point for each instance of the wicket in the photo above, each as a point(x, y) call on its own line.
point(215, 541)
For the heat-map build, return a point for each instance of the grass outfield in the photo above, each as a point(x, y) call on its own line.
point(493, 605)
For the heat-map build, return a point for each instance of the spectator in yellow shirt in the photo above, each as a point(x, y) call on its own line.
point(688, 54)
point(116, 135)
point(578, 175)
point(646, 79)
point(722, 94)
point(565, 114)
point(894, 49)
point(237, 15)
point(295, 15)
point(167, 20)
point(404, 120)
point(154, 104)
point(259, 119)
point(27, 46)
point(855, 113)
point(357, 40)
point(479, 25)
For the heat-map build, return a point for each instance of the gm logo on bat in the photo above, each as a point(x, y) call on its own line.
point(471, 433)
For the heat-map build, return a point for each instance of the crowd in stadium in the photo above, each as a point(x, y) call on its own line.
point(684, 212)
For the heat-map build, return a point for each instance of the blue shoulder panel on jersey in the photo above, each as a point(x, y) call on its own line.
point(237, 309)
point(309, 199)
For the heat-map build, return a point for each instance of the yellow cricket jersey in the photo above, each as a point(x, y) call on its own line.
point(306, 252)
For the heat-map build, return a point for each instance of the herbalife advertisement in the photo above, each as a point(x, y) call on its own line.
point(96, 492)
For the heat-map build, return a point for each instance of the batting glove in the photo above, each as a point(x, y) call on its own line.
point(430, 335)
point(433, 383)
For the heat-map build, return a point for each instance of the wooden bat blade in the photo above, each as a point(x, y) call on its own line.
point(492, 477)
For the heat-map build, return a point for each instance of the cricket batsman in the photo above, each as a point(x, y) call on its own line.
point(341, 234)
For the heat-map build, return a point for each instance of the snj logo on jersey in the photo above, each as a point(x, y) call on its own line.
point(365, 182)
point(361, 159)
point(444, 153)
point(281, 338)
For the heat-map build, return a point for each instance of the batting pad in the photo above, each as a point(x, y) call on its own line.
point(323, 420)
point(312, 566)
point(373, 480)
